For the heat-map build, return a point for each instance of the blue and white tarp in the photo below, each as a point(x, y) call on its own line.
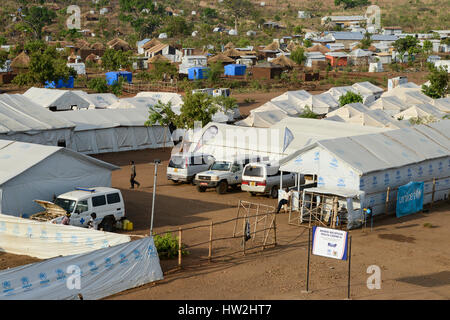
point(409, 198)
point(94, 275)
point(46, 240)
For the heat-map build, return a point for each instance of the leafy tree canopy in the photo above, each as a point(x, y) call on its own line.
point(350, 97)
point(439, 82)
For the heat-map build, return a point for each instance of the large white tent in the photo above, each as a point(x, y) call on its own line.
point(367, 165)
point(55, 99)
point(391, 105)
point(33, 171)
point(421, 110)
point(112, 130)
point(276, 142)
point(23, 120)
point(442, 104)
point(262, 119)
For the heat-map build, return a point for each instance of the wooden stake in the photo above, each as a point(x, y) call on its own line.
point(210, 241)
point(275, 230)
point(179, 247)
point(243, 236)
point(237, 218)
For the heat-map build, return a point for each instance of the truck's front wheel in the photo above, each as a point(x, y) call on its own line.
point(222, 187)
point(274, 192)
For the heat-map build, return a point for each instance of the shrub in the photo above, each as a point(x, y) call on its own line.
point(308, 113)
point(350, 97)
point(98, 85)
point(167, 246)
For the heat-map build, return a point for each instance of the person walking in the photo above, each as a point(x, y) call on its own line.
point(133, 176)
point(92, 224)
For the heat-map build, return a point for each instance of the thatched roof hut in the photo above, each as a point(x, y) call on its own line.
point(274, 46)
point(81, 43)
point(284, 61)
point(98, 46)
point(151, 43)
point(119, 44)
point(92, 58)
point(229, 45)
point(158, 58)
point(221, 58)
point(318, 48)
point(232, 53)
point(22, 61)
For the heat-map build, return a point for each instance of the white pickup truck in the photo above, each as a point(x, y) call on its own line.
point(222, 174)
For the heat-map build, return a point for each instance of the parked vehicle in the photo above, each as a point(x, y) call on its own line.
point(222, 174)
point(184, 167)
point(106, 203)
point(264, 178)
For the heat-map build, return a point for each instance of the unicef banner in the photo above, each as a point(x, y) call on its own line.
point(409, 198)
point(94, 275)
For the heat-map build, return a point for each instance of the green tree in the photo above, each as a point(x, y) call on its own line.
point(142, 15)
point(307, 43)
point(308, 113)
point(37, 17)
point(298, 55)
point(407, 44)
point(238, 9)
point(99, 85)
point(196, 107)
point(209, 14)
point(439, 82)
point(366, 41)
point(427, 46)
point(226, 103)
point(215, 71)
point(350, 97)
point(3, 58)
point(177, 26)
point(162, 114)
point(348, 4)
point(116, 59)
point(47, 65)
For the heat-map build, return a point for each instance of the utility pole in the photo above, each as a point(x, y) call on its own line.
point(156, 162)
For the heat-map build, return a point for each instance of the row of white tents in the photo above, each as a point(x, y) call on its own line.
point(390, 109)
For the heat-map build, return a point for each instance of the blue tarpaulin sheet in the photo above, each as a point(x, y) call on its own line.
point(409, 198)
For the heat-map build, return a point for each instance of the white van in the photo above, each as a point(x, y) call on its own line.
point(106, 203)
point(264, 178)
point(184, 167)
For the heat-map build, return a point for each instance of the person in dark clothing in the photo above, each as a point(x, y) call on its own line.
point(284, 199)
point(133, 176)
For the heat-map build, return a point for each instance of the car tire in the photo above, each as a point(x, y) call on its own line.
point(274, 192)
point(222, 187)
point(174, 181)
point(252, 194)
point(201, 189)
point(108, 224)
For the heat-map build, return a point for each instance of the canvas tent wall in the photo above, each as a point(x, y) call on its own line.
point(112, 130)
point(391, 105)
point(56, 100)
point(276, 142)
point(23, 120)
point(421, 110)
point(388, 159)
point(44, 171)
point(262, 119)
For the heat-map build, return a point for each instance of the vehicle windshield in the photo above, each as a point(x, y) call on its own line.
point(177, 162)
point(66, 204)
point(221, 166)
point(252, 171)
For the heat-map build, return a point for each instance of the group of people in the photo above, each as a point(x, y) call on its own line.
point(92, 223)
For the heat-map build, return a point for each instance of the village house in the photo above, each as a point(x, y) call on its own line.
point(167, 51)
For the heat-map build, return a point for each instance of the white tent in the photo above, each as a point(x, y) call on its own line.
point(337, 92)
point(369, 164)
point(320, 103)
point(442, 104)
point(274, 142)
point(23, 120)
point(262, 119)
point(112, 130)
point(55, 99)
point(97, 100)
point(32, 171)
point(408, 95)
point(391, 105)
point(423, 110)
point(360, 114)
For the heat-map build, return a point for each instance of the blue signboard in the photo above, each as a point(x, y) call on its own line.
point(409, 199)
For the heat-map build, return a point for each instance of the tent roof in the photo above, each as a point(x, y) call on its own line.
point(97, 100)
point(54, 97)
point(13, 162)
point(420, 110)
point(387, 150)
point(20, 114)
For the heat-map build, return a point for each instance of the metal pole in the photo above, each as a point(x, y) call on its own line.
point(307, 266)
point(154, 194)
point(349, 241)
